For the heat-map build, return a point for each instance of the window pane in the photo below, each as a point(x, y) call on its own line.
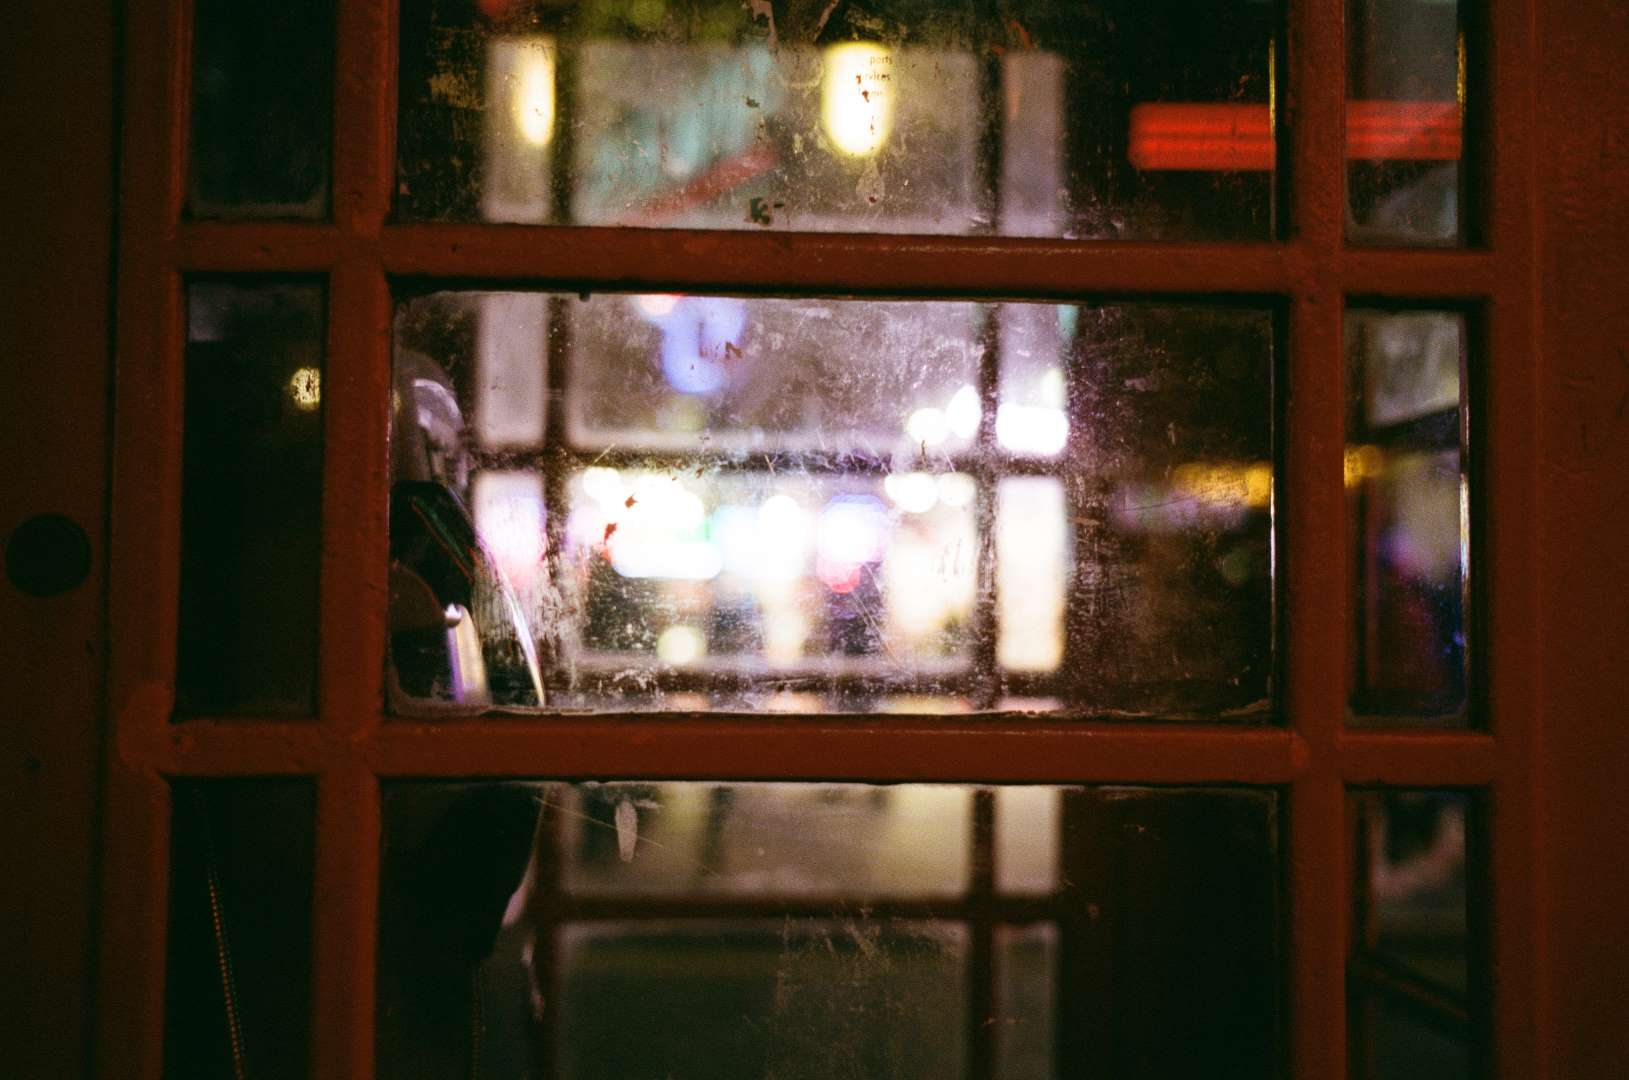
point(1408, 517)
point(1171, 957)
point(703, 930)
point(801, 505)
point(723, 373)
point(1026, 839)
point(1415, 1000)
point(262, 99)
point(1170, 487)
point(1126, 119)
point(252, 499)
point(238, 979)
point(1405, 121)
point(794, 998)
point(1026, 958)
point(843, 840)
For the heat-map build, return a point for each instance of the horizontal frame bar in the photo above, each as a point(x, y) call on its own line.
point(1020, 748)
point(988, 747)
point(578, 257)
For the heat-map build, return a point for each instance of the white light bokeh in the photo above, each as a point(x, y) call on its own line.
point(914, 492)
point(929, 426)
point(680, 645)
point(1032, 429)
point(963, 413)
point(857, 97)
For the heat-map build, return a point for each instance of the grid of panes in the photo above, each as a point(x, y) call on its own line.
point(351, 749)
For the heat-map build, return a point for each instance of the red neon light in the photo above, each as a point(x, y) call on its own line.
point(1233, 137)
point(1403, 131)
point(1208, 137)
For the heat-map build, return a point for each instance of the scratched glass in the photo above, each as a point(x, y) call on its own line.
point(1408, 516)
point(624, 502)
point(720, 931)
point(251, 501)
point(262, 99)
point(1122, 119)
point(751, 839)
point(1405, 122)
point(1415, 1006)
point(237, 983)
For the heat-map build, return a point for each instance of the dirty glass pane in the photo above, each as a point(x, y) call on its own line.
point(1405, 107)
point(1415, 998)
point(680, 502)
point(1408, 515)
point(262, 102)
point(719, 931)
point(1026, 962)
point(251, 499)
point(751, 839)
point(1123, 118)
point(1169, 485)
point(861, 996)
point(238, 976)
point(720, 373)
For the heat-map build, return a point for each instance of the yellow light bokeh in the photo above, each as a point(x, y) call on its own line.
point(857, 97)
point(1364, 463)
point(305, 387)
point(533, 102)
point(1225, 483)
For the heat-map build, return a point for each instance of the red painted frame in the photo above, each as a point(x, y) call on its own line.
point(349, 747)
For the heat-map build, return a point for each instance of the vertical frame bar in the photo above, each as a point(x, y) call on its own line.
point(1314, 589)
point(144, 543)
point(134, 911)
point(1510, 443)
point(355, 544)
point(355, 500)
point(344, 923)
point(364, 115)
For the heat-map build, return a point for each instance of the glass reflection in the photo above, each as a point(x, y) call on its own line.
point(1404, 121)
point(707, 930)
point(676, 502)
point(901, 116)
point(1026, 956)
point(795, 998)
point(1415, 1003)
point(1408, 515)
point(262, 102)
point(251, 520)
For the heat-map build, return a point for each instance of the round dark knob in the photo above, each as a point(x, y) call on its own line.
point(48, 554)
